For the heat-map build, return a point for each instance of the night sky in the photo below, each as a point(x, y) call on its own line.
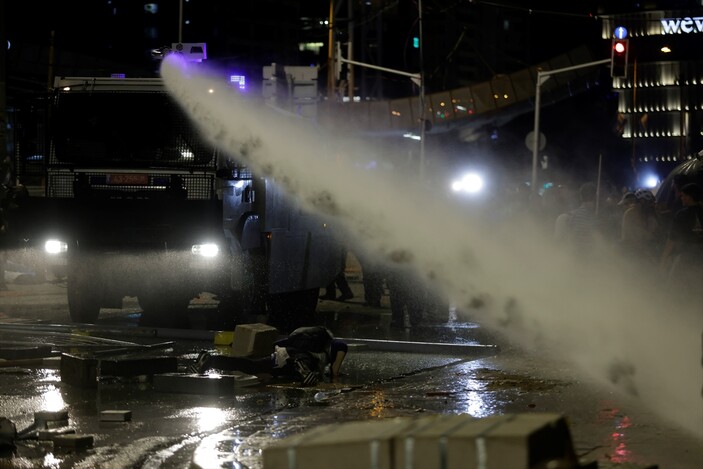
point(246, 35)
point(264, 31)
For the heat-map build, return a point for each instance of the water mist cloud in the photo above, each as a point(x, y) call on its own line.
point(510, 277)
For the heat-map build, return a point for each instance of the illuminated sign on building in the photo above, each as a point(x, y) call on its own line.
point(682, 25)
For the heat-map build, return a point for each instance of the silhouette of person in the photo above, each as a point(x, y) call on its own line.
point(304, 355)
point(339, 282)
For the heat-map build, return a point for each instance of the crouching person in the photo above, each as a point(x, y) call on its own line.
point(305, 355)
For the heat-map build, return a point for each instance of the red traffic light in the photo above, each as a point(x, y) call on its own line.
point(619, 58)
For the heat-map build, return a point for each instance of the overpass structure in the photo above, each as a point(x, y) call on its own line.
point(465, 109)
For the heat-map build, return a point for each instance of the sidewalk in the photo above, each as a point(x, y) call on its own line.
point(26, 292)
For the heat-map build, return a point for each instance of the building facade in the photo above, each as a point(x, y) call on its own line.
point(660, 100)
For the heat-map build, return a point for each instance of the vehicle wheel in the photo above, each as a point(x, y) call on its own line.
point(288, 311)
point(83, 298)
point(229, 313)
point(252, 299)
point(163, 310)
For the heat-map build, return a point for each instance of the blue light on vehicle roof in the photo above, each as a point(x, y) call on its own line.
point(239, 80)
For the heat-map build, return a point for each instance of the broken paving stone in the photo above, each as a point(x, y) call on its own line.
point(8, 430)
point(56, 423)
point(115, 415)
point(73, 441)
point(50, 433)
point(24, 353)
point(51, 416)
point(84, 372)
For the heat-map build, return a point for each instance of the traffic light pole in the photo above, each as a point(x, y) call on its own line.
point(543, 76)
point(416, 78)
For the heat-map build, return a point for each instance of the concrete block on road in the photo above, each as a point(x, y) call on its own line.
point(73, 441)
point(56, 424)
point(8, 431)
point(51, 433)
point(79, 371)
point(353, 445)
point(50, 416)
point(24, 353)
point(517, 441)
point(115, 415)
point(138, 366)
point(84, 372)
point(253, 340)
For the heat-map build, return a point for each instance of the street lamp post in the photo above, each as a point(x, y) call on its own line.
point(180, 22)
point(543, 76)
point(417, 78)
point(422, 94)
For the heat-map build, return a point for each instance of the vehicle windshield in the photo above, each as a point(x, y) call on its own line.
point(139, 128)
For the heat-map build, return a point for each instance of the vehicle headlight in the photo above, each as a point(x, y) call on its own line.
point(470, 183)
point(205, 250)
point(54, 246)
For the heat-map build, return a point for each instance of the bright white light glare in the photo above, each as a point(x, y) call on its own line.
point(470, 183)
point(54, 246)
point(651, 181)
point(205, 250)
point(209, 418)
point(239, 184)
point(52, 399)
point(187, 155)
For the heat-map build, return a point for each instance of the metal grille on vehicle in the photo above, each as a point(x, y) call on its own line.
point(63, 184)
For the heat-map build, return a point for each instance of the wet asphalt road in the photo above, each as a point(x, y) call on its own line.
point(197, 429)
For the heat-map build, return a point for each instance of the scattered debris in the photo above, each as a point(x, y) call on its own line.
point(73, 441)
point(50, 433)
point(8, 433)
point(86, 371)
point(115, 415)
point(24, 353)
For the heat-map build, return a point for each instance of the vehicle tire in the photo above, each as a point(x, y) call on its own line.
point(164, 310)
point(252, 299)
point(83, 297)
point(230, 311)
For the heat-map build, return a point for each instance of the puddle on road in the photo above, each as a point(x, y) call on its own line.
point(494, 380)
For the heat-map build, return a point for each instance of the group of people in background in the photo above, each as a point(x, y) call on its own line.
point(667, 238)
point(410, 300)
point(663, 238)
